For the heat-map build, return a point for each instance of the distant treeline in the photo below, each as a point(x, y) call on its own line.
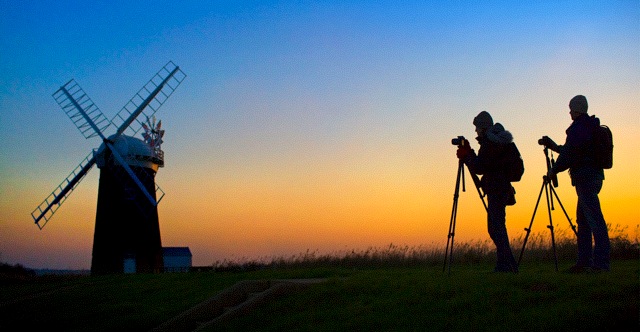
point(15, 272)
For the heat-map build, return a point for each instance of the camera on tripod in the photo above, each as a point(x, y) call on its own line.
point(548, 143)
point(459, 141)
point(544, 140)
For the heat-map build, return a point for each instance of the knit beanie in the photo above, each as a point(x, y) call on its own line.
point(483, 120)
point(579, 104)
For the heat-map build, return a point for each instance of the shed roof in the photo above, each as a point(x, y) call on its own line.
point(176, 251)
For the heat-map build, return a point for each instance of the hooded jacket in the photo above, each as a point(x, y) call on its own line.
point(490, 160)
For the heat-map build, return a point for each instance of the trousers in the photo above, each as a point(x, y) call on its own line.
point(496, 222)
point(594, 246)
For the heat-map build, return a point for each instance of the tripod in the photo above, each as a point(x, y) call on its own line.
point(547, 185)
point(454, 212)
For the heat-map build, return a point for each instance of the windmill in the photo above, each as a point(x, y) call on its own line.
point(127, 224)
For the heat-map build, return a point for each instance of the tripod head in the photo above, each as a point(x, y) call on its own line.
point(550, 163)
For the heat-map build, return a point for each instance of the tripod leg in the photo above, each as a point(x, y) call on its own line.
point(476, 182)
point(452, 238)
point(573, 227)
point(450, 235)
point(526, 237)
point(553, 240)
point(448, 253)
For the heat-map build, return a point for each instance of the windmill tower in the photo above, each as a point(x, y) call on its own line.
point(127, 226)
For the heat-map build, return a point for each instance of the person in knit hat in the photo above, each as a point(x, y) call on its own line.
point(483, 121)
point(577, 155)
point(578, 104)
point(494, 141)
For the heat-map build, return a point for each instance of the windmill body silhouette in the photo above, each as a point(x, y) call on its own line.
point(127, 224)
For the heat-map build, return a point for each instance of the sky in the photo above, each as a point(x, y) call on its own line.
point(320, 126)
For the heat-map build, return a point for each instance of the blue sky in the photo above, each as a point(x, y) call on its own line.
point(307, 125)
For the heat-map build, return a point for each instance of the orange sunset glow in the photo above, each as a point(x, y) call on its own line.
point(322, 128)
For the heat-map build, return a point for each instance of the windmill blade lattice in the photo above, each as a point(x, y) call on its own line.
point(50, 205)
point(148, 100)
point(69, 97)
point(159, 194)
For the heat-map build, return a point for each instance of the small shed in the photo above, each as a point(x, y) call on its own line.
point(176, 259)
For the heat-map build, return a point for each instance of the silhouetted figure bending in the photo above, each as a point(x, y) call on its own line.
point(494, 141)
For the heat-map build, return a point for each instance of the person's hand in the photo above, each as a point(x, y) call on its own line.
point(548, 142)
point(464, 150)
point(543, 141)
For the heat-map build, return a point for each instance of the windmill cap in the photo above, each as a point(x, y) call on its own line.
point(134, 151)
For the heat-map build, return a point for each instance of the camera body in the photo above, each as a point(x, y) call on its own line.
point(548, 142)
point(543, 141)
point(459, 141)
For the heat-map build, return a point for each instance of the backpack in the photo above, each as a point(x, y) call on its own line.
point(603, 146)
point(513, 163)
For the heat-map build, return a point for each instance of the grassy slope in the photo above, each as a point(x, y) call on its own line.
point(537, 299)
point(410, 298)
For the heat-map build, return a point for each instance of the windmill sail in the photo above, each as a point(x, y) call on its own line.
point(50, 205)
point(72, 99)
point(159, 194)
point(148, 100)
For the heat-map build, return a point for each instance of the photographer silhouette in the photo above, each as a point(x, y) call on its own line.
point(578, 154)
point(494, 143)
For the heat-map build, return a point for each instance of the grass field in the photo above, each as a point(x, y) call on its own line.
point(376, 299)
point(389, 289)
point(416, 299)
